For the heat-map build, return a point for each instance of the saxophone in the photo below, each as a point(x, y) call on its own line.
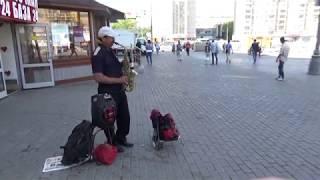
point(127, 69)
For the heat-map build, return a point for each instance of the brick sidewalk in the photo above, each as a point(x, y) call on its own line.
point(236, 122)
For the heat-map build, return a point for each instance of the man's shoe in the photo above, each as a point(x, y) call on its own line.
point(125, 144)
point(119, 149)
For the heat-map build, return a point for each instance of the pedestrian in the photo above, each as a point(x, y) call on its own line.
point(282, 58)
point(173, 48)
point(107, 72)
point(254, 50)
point(224, 47)
point(207, 51)
point(188, 47)
point(179, 51)
point(214, 51)
point(157, 47)
point(149, 51)
point(73, 49)
point(260, 50)
point(228, 48)
point(138, 50)
point(207, 48)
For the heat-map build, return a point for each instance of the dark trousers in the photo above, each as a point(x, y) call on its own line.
point(188, 51)
point(254, 54)
point(215, 56)
point(149, 57)
point(123, 117)
point(280, 68)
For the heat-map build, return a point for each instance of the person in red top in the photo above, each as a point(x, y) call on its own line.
point(188, 46)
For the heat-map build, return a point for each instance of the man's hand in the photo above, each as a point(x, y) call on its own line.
point(101, 78)
point(124, 80)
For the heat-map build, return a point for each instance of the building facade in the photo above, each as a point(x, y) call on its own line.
point(281, 18)
point(179, 19)
point(52, 45)
point(206, 33)
point(184, 16)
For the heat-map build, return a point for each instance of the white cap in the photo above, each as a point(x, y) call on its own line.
point(106, 31)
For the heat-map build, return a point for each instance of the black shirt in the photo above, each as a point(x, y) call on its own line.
point(255, 47)
point(105, 61)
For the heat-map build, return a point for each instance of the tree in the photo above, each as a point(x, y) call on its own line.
point(127, 24)
point(131, 25)
point(142, 32)
point(227, 27)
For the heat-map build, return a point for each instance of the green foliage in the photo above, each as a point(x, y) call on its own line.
point(131, 25)
point(228, 25)
point(127, 24)
point(142, 31)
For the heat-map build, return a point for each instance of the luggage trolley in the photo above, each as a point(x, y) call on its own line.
point(157, 139)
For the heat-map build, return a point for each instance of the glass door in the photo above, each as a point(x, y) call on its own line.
point(3, 90)
point(35, 56)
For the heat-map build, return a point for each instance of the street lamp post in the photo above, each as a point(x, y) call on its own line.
point(151, 27)
point(314, 66)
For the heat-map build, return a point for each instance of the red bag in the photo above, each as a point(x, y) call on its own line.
point(105, 153)
point(110, 114)
point(155, 117)
point(170, 134)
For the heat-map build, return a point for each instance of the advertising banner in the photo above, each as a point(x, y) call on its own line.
point(21, 11)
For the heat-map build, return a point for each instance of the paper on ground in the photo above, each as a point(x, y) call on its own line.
point(54, 164)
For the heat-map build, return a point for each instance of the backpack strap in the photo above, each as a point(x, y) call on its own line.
point(94, 134)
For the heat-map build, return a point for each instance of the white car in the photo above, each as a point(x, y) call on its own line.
point(166, 47)
point(143, 42)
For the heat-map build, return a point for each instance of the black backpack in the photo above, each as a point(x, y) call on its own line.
point(79, 145)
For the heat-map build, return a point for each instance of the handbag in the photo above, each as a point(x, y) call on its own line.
point(103, 110)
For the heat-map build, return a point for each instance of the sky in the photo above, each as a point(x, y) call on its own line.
point(125, 5)
point(206, 11)
point(215, 8)
point(205, 7)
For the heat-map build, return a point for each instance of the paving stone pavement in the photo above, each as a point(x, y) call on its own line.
point(236, 122)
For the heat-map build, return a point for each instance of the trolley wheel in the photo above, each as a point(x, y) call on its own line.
point(157, 145)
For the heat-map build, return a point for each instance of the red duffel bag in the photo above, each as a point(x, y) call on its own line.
point(170, 134)
point(105, 153)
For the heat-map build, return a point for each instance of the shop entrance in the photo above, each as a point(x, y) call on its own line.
point(35, 56)
point(3, 90)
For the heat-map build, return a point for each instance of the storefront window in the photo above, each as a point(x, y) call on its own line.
point(70, 32)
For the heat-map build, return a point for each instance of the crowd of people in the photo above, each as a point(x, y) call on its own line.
point(212, 49)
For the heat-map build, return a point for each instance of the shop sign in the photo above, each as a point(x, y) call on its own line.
point(25, 11)
point(78, 34)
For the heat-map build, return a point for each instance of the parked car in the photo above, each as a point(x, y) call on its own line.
point(143, 42)
point(166, 46)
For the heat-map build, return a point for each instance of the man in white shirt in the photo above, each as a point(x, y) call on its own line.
point(214, 52)
point(282, 58)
